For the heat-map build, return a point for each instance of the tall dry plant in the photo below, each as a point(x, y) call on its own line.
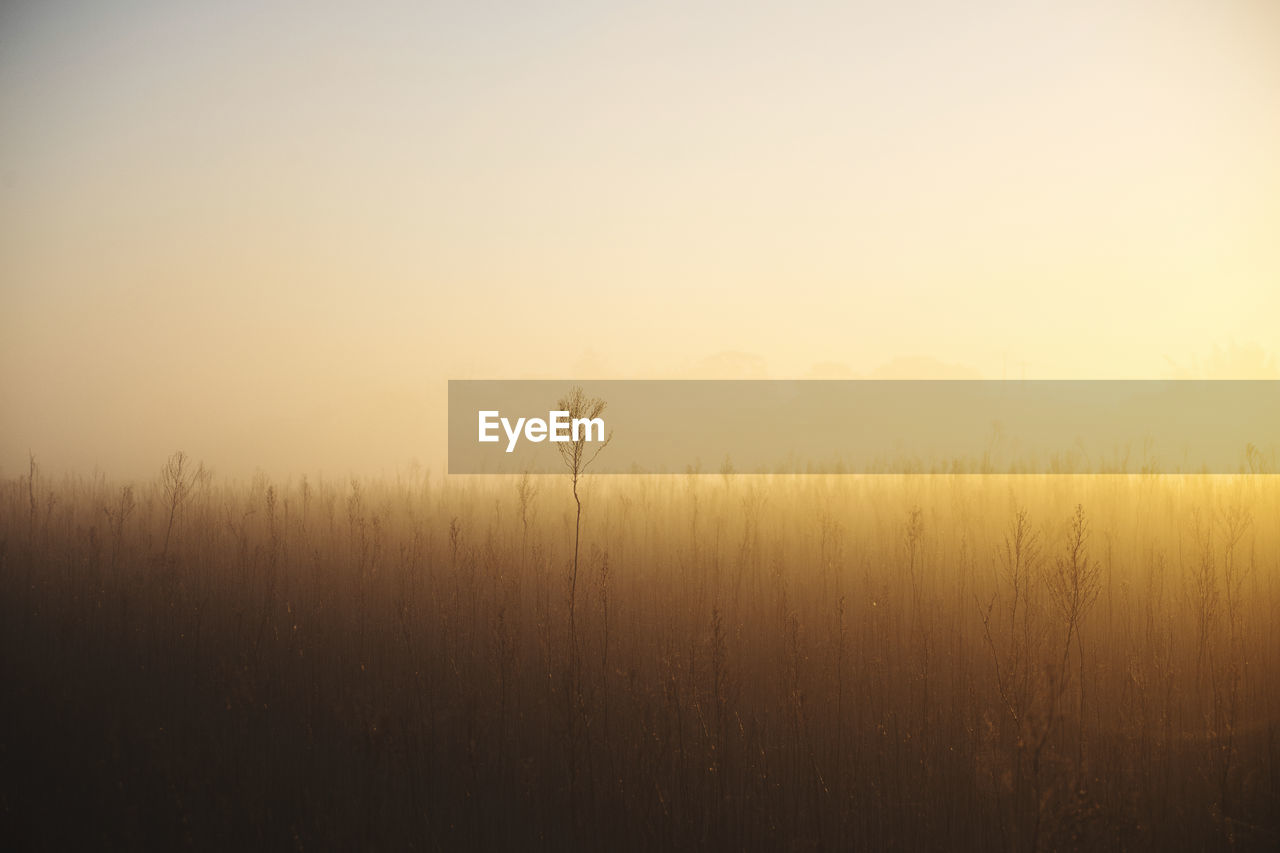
point(1074, 584)
point(1014, 632)
point(178, 479)
point(577, 458)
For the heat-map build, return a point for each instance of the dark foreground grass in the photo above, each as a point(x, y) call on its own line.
point(772, 664)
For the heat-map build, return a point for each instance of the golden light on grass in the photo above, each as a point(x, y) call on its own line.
point(1004, 662)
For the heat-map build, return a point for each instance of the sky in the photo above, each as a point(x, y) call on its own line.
point(268, 233)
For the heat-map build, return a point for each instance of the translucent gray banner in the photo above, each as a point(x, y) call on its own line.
point(856, 426)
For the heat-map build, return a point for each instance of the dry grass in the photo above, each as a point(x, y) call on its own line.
point(761, 663)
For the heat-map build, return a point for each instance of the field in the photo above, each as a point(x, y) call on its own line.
point(740, 663)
